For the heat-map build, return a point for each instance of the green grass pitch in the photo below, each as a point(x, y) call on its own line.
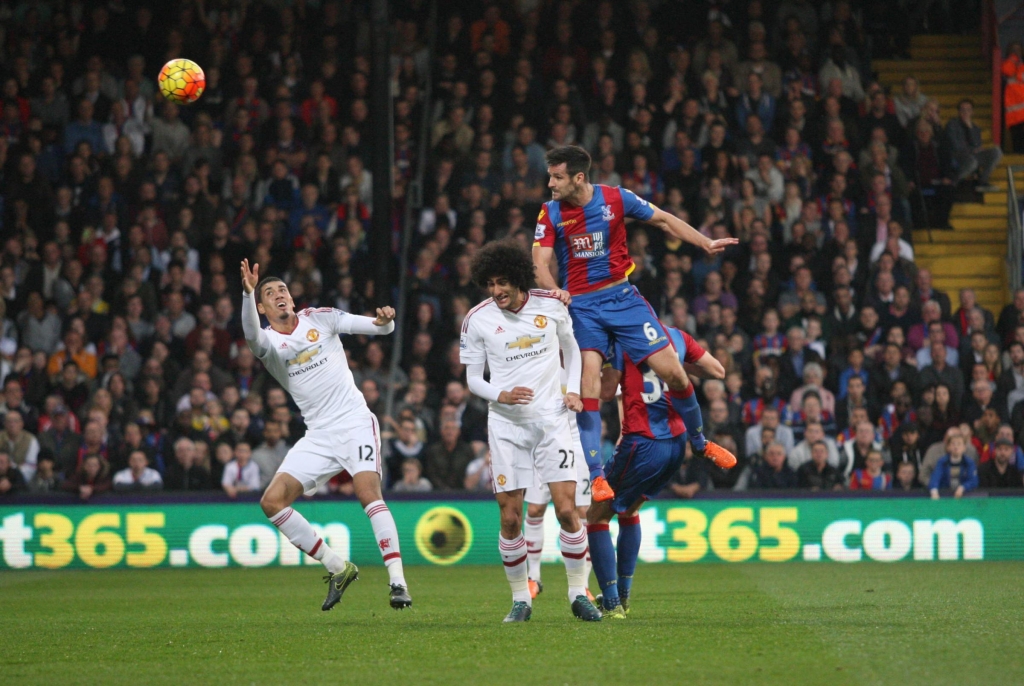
point(957, 623)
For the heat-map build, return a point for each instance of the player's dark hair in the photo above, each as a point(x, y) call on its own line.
point(575, 159)
point(504, 258)
point(263, 282)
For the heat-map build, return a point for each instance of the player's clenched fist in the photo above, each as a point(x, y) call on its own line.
point(251, 277)
point(384, 315)
point(520, 395)
point(573, 402)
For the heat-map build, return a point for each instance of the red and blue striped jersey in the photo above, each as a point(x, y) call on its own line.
point(764, 344)
point(890, 420)
point(590, 241)
point(646, 410)
point(754, 408)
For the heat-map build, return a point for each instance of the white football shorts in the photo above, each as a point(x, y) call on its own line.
point(540, 494)
point(525, 453)
point(319, 455)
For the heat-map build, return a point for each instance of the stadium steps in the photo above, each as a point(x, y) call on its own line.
point(976, 209)
point(951, 249)
point(973, 253)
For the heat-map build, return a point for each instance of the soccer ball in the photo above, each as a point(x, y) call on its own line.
point(182, 81)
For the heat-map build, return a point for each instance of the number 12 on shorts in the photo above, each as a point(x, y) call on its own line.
point(366, 453)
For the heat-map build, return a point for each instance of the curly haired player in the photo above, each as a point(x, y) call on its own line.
point(584, 227)
point(518, 333)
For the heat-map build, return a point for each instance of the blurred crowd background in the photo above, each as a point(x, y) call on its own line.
point(124, 218)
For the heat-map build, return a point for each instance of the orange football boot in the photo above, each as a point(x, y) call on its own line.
point(536, 588)
point(601, 491)
point(719, 455)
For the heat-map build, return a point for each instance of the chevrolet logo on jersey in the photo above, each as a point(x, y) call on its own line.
point(304, 357)
point(524, 342)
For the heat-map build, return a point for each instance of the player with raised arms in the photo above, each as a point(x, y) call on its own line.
point(646, 459)
point(583, 225)
point(303, 352)
point(518, 333)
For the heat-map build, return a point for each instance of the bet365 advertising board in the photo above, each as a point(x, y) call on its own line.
point(824, 530)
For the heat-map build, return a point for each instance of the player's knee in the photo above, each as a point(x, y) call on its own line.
point(272, 503)
point(676, 379)
point(511, 522)
point(566, 515)
point(599, 513)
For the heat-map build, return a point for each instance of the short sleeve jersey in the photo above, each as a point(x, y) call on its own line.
point(310, 364)
point(590, 241)
point(520, 348)
point(646, 410)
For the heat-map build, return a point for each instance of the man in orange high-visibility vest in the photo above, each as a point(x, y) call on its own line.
point(1013, 95)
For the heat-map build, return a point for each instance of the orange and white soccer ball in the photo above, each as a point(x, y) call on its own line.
point(182, 81)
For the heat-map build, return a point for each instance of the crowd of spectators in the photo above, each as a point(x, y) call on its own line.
point(124, 216)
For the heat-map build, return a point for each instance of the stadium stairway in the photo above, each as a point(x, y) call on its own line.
point(973, 254)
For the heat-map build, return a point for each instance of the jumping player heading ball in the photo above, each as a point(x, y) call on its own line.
point(584, 226)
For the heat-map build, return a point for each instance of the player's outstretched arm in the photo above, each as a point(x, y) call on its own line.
point(382, 325)
point(541, 266)
point(676, 227)
point(707, 367)
point(255, 337)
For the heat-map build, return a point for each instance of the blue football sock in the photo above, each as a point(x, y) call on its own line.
point(685, 403)
point(602, 555)
point(628, 551)
point(589, 422)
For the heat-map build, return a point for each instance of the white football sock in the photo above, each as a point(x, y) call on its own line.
point(534, 534)
point(513, 555)
point(386, 532)
point(574, 553)
point(296, 529)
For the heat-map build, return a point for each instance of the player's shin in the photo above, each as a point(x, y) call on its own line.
point(386, 533)
point(628, 551)
point(574, 553)
point(533, 531)
point(603, 557)
point(685, 403)
point(297, 529)
point(589, 422)
point(513, 556)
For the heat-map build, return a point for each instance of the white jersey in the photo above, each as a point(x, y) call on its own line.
point(521, 348)
point(310, 364)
